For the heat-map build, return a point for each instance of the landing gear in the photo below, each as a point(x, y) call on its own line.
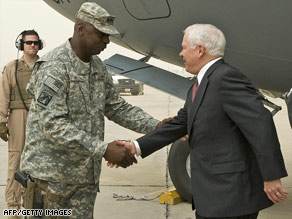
point(180, 169)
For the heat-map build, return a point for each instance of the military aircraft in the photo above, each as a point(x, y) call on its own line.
point(259, 43)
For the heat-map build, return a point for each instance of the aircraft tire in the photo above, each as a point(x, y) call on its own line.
point(177, 161)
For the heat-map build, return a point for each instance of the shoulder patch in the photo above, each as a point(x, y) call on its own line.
point(53, 84)
point(45, 98)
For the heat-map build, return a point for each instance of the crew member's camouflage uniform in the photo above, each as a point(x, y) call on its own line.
point(65, 127)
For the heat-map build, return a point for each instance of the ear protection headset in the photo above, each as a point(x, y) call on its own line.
point(19, 43)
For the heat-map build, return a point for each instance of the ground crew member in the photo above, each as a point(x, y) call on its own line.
point(14, 105)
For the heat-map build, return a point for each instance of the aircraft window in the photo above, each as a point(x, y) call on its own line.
point(148, 9)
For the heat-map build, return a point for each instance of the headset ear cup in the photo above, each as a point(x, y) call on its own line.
point(18, 44)
point(21, 45)
point(41, 45)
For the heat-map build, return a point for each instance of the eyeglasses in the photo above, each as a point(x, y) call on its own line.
point(32, 42)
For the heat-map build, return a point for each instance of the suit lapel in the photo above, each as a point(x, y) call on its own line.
point(194, 107)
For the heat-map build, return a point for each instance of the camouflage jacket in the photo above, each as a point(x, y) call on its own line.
point(65, 126)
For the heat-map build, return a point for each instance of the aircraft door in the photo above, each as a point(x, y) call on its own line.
point(147, 9)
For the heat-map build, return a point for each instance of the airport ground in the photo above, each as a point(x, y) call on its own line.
point(149, 177)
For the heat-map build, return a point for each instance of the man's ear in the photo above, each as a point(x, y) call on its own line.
point(80, 28)
point(201, 50)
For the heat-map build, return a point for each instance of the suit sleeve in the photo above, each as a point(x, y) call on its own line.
point(243, 105)
point(165, 135)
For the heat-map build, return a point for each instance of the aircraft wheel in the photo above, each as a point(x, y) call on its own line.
point(179, 168)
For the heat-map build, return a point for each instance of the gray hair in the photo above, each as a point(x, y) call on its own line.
point(207, 35)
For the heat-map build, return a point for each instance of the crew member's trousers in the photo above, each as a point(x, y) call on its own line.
point(16, 125)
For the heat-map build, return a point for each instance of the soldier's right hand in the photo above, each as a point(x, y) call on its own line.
point(119, 155)
point(4, 131)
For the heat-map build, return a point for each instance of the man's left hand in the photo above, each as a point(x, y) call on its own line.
point(275, 192)
point(164, 121)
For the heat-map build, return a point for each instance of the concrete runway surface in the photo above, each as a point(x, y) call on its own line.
point(149, 177)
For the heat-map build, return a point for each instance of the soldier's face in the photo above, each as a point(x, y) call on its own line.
point(30, 47)
point(96, 40)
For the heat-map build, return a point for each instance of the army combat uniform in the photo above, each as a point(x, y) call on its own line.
point(65, 128)
point(13, 112)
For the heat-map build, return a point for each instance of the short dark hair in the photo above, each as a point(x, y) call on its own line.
point(30, 32)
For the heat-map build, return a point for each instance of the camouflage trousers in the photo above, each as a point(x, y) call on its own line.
point(79, 201)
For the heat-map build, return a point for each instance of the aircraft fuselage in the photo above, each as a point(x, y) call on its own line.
point(258, 33)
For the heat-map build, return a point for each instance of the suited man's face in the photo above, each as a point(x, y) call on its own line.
point(191, 56)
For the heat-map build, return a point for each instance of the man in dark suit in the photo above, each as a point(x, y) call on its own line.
point(236, 161)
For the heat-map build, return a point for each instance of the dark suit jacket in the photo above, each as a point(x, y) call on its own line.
point(233, 140)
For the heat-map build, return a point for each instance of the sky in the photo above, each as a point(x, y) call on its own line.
point(19, 15)
point(52, 27)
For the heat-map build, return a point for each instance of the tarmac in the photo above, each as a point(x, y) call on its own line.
point(140, 185)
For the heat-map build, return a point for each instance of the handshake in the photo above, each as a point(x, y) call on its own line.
point(120, 153)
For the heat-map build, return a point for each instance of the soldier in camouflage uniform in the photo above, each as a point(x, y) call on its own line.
point(72, 92)
point(14, 104)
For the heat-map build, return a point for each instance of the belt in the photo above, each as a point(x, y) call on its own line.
point(43, 186)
